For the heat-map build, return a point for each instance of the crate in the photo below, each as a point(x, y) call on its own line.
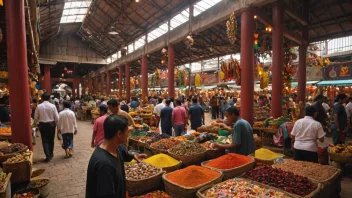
point(21, 171)
point(6, 191)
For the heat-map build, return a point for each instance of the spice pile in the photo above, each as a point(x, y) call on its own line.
point(25, 195)
point(165, 144)
point(25, 156)
point(161, 161)
point(187, 148)
point(278, 178)
point(5, 131)
point(313, 171)
point(139, 171)
point(158, 137)
point(192, 176)
point(240, 188)
point(2, 179)
point(229, 161)
point(266, 154)
point(155, 194)
point(13, 148)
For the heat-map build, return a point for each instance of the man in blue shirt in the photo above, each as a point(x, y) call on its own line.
point(196, 114)
point(242, 134)
point(166, 119)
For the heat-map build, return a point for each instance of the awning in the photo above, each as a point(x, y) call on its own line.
point(295, 84)
point(335, 82)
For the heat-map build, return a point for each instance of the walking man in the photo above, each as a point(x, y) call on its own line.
point(165, 119)
point(179, 118)
point(196, 114)
point(98, 128)
point(46, 117)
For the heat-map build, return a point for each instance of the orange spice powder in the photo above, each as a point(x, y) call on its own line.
point(229, 161)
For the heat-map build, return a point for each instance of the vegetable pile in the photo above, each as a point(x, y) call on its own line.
point(24, 195)
point(25, 156)
point(192, 176)
point(5, 131)
point(240, 188)
point(2, 179)
point(313, 171)
point(161, 161)
point(266, 154)
point(139, 171)
point(165, 144)
point(13, 148)
point(229, 161)
point(278, 178)
point(38, 183)
point(155, 194)
point(187, 148)
point(159, 137)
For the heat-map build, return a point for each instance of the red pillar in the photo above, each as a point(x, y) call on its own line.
point(278, 52)
point(171, 71)
point(108, 83)
point(96, 85)
point(18, 72)
point(90, 86)
point(47, 79)
point(120, 80)
point(102, 84)
point(247, 63)
point(128, 84)
point(144, 78)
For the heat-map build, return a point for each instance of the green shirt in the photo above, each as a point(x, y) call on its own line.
point(243, 135)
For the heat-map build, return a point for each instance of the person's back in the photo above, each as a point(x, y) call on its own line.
point(196, 113)
point(67, 120)
point(166, 119)
point(125, 108)
point(244, 133)
point(134, 104)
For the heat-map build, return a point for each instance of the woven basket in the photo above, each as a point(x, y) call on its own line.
point(342, 159)
point(234, 172)
point(140, 187)
point(35, 191)
point(214, 153)
point(178, 191)
point(158, 151)
point(200, 193)
point(3, 158)
point(188, 160)
point(268, 162)
point(172, 168)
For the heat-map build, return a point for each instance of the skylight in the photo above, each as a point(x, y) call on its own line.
point(179, 19)
point(139, 42)
point(130, 48)
point(75, 11)
point(204, 5)
point(162, 29)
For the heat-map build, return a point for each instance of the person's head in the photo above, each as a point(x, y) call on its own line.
point(341, 98)
point(160, 100)
point(34, 102)
point(232, 114)
point(168, 102)
point(67, 104)
point(103, 109)
point(116, 129)
point(46, 97)
point(172, 99)
point(114, 105)
point(195, 100)
point(310, 111)
point(178, 102)
point(350, 99)
point(102, 99)
point(319, 98)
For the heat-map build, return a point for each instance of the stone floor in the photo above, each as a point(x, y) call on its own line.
point(68, 176)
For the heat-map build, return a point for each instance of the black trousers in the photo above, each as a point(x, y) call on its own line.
point(47, 131)
point(214, 112)
point(309, 156)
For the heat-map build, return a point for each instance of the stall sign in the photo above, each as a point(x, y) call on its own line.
point(338, 71)
point(211, 79)
point(312, 73)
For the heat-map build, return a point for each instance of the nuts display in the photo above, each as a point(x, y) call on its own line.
point(25, 156)
point(13, 148)
point(187, 148)
point(139, 171)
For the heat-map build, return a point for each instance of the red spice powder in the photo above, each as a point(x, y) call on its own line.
point(229, 161)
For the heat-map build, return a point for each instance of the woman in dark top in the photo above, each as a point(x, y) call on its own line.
point(34, 107)
point(4, 114)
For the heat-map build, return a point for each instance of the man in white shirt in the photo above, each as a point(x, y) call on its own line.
point(46, 117)
point(157, 110)
point(306, 132)
point(349, 112)
point(68, 98)
point(67, 126)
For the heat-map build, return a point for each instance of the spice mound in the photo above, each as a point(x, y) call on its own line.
point(13, 148)
point(229, 161)
point(25, 156)
point(161, 161)
point(313, 171)
point(266, 154)
point(139, 171)
point(192, 176)
point(165, 144)
point(155, 194)
point(278, 178)
point(187, 148)
point(240, 188)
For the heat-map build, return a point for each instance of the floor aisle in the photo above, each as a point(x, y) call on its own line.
point(68, 176)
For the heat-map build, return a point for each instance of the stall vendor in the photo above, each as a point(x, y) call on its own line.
point(242, 134)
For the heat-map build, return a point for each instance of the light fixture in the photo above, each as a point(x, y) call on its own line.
point(113, 32)
point(62, 74)
point(255, 16)
point(137, 1)
point(268, 29)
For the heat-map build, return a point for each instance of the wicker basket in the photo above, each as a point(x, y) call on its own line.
point(173, 168)
point(140, 187)
point(234, 172)
point(214, 153)
point(342, 159)
point(158, 151)
point(3, 158)
point(200, 193)
point(268, 162)
point(188, 160)
point(178, 191)
point(35, 191)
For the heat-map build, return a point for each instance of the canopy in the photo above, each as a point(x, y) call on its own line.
point(295, 84)
point(335, 82)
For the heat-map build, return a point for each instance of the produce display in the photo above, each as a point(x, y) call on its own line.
point(155, 194)
point(25, 195)
point(187, 148)
point(192, 176)
point(203, 137)
point(161, 161)
point(165, 144)
point(266, 154)
point(342, 150)
point(240, 188)
point(5, 131)
point(260, 113)
point(2, 179)
point(284, 180)
point(313, 171)
point(223, 140)
point(139, 171)
point(209, 128)
point(137, 133)
point(38, 183)
point(229, 161)
point(25, 156)
point(159, 137)
point(13, 148)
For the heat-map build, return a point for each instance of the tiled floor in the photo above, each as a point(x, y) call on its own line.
point(68, 176)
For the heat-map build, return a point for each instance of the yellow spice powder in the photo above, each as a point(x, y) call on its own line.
point(161, 161)
point(266, 154)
